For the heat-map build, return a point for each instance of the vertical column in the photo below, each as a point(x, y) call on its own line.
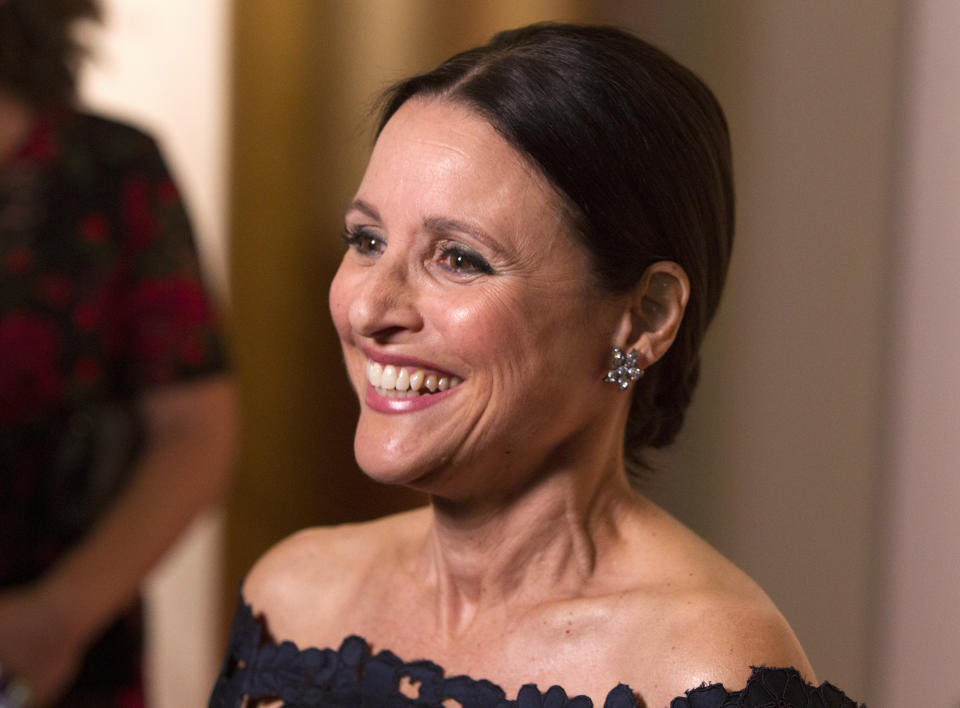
point(918, 615)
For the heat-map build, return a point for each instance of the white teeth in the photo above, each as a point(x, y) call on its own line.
point(416, 380)
point(399, 382)
point(374, 370)
point(388, 379)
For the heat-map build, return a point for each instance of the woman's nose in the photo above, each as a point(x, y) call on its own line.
point(385, 304)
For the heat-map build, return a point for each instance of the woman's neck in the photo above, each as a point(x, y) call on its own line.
point(16, 122)
point(517, 552)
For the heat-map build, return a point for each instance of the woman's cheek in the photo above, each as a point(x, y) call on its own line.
point(481, 324)
point(339, 302)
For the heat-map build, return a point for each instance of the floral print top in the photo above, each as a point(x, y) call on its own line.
point(100, 299)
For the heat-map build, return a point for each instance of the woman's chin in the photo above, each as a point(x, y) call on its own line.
point(402, 455)
point(391, 469)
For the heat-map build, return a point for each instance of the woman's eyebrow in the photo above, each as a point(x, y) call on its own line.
point(442, 224)
point(364, 208)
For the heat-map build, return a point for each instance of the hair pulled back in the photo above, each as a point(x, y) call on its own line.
point(638, 148)
point(39, 54)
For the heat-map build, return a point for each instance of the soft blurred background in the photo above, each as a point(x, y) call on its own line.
point(821, 452)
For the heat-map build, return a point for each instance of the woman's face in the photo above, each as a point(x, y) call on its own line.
point(461, 281)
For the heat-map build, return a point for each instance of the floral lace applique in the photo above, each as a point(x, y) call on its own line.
point(351, 676)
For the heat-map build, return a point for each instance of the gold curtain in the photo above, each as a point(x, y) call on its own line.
point(305, 72)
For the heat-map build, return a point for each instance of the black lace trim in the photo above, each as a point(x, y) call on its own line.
point(351, 677)
point(768, 688)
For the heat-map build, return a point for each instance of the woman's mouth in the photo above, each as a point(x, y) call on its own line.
point(392, 381)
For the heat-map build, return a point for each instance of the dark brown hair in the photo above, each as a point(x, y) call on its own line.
point(39, 55)
point(637, 146)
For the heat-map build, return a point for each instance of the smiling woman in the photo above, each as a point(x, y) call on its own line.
point(533, 255)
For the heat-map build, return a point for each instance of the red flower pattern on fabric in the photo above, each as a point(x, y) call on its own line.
point(161, 314)
point(86, 316)
point(41, 147)
point(18, 260)
point(139, 218)
point(86, 371)
point(54, 289)
point(94, 228)
point(167, 192)
point(29, 366)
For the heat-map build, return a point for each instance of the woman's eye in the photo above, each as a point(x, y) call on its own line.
point(363, 242)
point(460, 260)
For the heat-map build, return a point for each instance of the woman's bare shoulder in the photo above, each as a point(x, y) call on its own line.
point(297, 586)
point(713, 623)
point(720, 638)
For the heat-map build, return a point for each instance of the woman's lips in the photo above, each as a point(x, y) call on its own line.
point(384, 402)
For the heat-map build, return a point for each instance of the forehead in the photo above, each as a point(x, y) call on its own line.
point(438, 156)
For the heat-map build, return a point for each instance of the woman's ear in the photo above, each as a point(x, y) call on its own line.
point(656, 306)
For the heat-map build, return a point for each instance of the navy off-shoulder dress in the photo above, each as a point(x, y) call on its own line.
point(352, 677)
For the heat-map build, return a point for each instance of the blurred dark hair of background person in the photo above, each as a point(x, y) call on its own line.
point(40, 52)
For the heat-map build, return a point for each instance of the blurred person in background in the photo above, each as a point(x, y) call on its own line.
point(116, 413)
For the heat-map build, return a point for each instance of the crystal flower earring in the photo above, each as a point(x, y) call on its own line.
point(624, 370)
